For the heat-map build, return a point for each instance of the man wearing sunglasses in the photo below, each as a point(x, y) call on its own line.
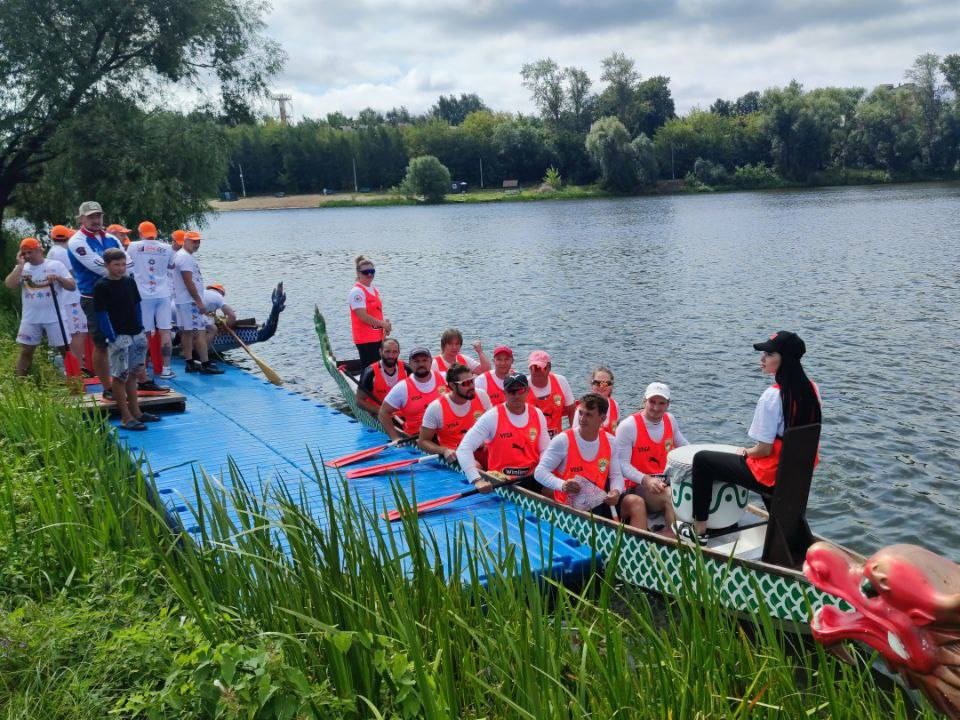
point(550, 392)
point(449, 417)
point(409, 399)
point(514, 434)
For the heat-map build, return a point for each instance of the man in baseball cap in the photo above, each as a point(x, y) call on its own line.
point(492, 380)
point(74, 319)
point(550, 391)
point(408, 400)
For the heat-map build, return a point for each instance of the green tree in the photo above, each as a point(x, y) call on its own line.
point(578, 100)
point(608, 143)
point(428, 177)
point(544, 80)
point(620, 95)
point(747, 103)
point(646, 159)
point(924, 76)
point(654, 104)
point(455, 110)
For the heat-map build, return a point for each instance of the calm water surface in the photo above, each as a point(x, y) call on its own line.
point(674, 289)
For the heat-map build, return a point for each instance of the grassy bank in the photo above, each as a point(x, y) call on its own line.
point(105, 613)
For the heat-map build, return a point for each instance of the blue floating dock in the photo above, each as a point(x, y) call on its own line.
point(269, 433)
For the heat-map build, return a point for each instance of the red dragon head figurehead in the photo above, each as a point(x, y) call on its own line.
point(906, 605)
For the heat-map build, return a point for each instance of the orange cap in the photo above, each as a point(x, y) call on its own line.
point(191, 235)
point(218, 287)
point(60, 232)
point(147, 229)
point(29, 243)
point(177, 236)
point(117, 229)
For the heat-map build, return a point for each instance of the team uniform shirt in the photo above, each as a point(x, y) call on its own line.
point(492, 385)
point(185, 262)
point(627, 437)
point(151, 261)
point(433, 416)
point(38, 316)
point(365, 298)
point(542, 396)
point(441, 365)
point(74, 319)
point(610, 424)
point(555, 457)
point(86, 258)
point(399, 398)
point(485, 429)
point(212, 301)
point(368, 379)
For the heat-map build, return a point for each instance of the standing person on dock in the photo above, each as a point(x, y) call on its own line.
point(601, 383)
point(583, 454)
point(74, 319)
point(116, 302)
point(121, 233)
point(643, 441)
point(449, 417)
point(550, 391)
point(152, 263)
point(409, 399)
point(492, 380)
point(366, 313)
point(38, 279)
point(450, 343)
point(378, 378)
point(86, 249)
point(188, 293)
point(792, 400)
point(514, 434)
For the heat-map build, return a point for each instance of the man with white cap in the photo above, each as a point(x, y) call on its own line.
point(409, 399)
point(492, 380)
point(643, 441)
point(85, 250)
point(550, 392)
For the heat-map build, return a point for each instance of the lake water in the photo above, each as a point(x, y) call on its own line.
point(676, 289)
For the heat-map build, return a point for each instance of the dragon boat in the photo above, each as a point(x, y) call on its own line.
point(248, 330)
point(735, 560)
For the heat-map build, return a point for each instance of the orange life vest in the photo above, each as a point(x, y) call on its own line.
point(514, 451)
point(442, 364)
point(551, 405)
point(494, 392)
point(417, 400)
point(764, 469)
point(649, 457)
point(455, 427)
point(380, 387)
point(363, 333)
point(613, 416)
point(596, 471)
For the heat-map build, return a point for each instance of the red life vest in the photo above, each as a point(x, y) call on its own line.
point(455, 427)
point(442, 364)
point(649, 457)
point(596, 471)
point(494, 392)
point(363, 333)
point(417, 400)
point(380, 387)
point(514, 451)
point(551, 405)
point(764, 469)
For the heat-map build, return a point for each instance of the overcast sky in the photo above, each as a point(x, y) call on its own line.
point(383, 53)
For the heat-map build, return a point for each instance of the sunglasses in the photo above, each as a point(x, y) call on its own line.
point(602, 383)
point(369, 271)
point(468, 382)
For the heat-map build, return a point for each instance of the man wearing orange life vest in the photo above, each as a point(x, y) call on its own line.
point(492, 380)
point(643, 441)
point(450, 343)
point(550, 392)
point(449, 417)
point(583, 454)
point(515, 435)
point(366, 313)
point(409, 399)
point(378, 378)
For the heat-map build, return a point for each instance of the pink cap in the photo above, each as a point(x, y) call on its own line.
point(502, 349)
point(538, 358)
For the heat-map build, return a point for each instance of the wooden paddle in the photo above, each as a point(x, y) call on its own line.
point(267, 370)
point(428, 505)
point(363, 454)
point(387, 467)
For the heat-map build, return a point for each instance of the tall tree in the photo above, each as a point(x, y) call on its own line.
point(924, 74)
point(544, 80)
point(619, 97)
point(455, 110)
point(578, 97)
point(608, 143)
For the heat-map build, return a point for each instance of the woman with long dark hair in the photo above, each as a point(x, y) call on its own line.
point(791, 401)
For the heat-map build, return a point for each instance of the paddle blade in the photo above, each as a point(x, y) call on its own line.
point(381, 468)
point(356, 456)
point(423, 507)
point(267, 370)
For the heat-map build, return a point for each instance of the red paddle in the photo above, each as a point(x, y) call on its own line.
point(387, 467)
point(362, 454)
point(428, 505)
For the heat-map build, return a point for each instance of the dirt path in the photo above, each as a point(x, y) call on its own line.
point(269, 202)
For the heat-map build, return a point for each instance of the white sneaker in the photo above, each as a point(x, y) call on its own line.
point(167, 372)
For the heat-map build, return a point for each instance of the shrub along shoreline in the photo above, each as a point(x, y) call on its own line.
point(103, 612)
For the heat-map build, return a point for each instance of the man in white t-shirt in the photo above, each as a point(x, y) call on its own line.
point(408, 400)
point(152, 262)
point(188, 294)
point(38, 279)
point(449, 417)
point(550, 392)
point(213, 300)
point(74, 318)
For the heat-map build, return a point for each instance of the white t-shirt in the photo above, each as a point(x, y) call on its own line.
point(627, 438)
point(358, 298)
point(767, 422)
point(185, 262)
point(397, 397)
point(564, 388)
point(481, 382)
point(151, 261)
point(556, 455)
point(60, 254)
point(37, 299)
point(212, 300)
point(485, 429)
point(468, 361)
point(433, 415)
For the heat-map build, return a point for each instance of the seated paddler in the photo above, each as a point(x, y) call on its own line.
point(449, 417)
point(451, 341)
point(408, 399)
point(377, 379)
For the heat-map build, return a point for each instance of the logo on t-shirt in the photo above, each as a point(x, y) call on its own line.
point(81, 251)
point(534, 432)
point(603, 464)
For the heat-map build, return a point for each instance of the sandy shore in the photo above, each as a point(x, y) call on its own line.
point(287, 202)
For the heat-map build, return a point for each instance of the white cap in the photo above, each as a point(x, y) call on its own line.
point(657, 389)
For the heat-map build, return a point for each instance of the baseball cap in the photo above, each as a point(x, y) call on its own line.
point(147, 229)
point(502, 349)
point(657, 389)
point(29, 243)
point(60, 232)
point(218, 287)
point(177, 236)
point(89, 208)
point(783, 342)
point(538, 358)
point(191, 235)
point(116, 228)
point(418, 350)
point(515, 380)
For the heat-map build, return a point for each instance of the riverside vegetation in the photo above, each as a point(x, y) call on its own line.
point(104, 612)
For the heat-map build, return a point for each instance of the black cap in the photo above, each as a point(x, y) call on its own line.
point(515, 380)
point(783, 342)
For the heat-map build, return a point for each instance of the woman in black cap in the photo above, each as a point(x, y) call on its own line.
point(791, 401)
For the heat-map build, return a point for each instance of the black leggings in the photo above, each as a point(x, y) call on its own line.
point(369, 352)
point(710, 466)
